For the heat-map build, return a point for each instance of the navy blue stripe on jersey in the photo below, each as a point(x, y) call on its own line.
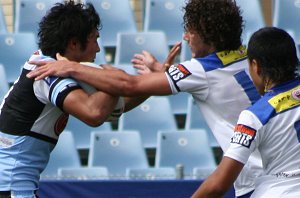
point(264, 110)
point(210, 62)
point(18, 115)
point(60, 88)
point(246, 83)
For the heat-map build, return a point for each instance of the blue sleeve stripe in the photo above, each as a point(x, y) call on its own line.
point(59, 87)
point(243, 79)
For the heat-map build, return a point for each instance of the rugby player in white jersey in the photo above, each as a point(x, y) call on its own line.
point(272, 124)
point(217, 77)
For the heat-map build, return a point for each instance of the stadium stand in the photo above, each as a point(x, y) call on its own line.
point(286, 15)
point(195, 120)
point(253, 21)
point(152, 115)
point(29, 13)
point(117, 151)
point(64, 154)
point(16, 48)
point(3, 83)
point(166, 16)
point(116, 16)
point(83, 173)
point(3, 27)
point(82, 132)
point(189, 148)
point(151, 173)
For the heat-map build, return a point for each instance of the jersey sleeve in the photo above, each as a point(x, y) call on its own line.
point(54, 90)
point(188, 76)
point(246, 137)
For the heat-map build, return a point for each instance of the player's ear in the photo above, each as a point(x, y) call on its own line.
point(256, 67)
point(73, 43)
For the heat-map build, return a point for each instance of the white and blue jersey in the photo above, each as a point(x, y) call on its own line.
point(273, 126)
point(31, 119)
point(222, 88)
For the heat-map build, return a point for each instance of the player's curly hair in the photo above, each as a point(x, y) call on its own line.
point(275, 51)
point(218, 22)
point(65, 21)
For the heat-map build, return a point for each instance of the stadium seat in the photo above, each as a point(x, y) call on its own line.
point(117, 151)
point(28, 14)
point(166, 16)
point(83, 173)
point(253, 22)
point(129, 44)
point(82, 131)
point(286, 15)
point(3, 83)
point(3, 27)
point(179, 103)
point(64, 155)
point(16, 49)
point(152, 115)
point(116, 16)
point(189, 148)
point(202, 173)
point(195, 120)
point(151, 173)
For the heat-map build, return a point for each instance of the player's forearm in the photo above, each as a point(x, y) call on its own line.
point(114, 82)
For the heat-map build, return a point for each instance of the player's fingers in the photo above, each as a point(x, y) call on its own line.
point(38, 72)
point(38, 63)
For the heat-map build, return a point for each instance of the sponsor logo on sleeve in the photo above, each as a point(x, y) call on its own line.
point(243, 135)
point(178, 72)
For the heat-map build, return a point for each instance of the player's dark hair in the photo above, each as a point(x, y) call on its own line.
point(66, 21)
point(275, 51)
point(218, 22)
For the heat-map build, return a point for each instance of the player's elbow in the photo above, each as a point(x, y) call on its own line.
point(95, 119)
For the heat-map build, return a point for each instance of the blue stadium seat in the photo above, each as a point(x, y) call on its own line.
point(151, 173)
point(28, 14)
point(189, 148)
point(286, 15)
point(166, 16)
point(152, 115)
point(82, 132)
point(179, 103)
point(3, 83)
point(16, 49)
point(83, 173)
point(253, 22)
point(195, 120)
point(116, 16)
point(63, 155)
point(129, 44)
point(3, 27)
point(117, 151)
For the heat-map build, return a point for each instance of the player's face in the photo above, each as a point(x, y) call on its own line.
point(254, 71)
point(92, 47)
point(198, 47)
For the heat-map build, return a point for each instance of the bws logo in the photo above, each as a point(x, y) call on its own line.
point(178, 72)
point(243, 135)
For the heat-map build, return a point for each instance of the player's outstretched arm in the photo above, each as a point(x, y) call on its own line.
point(220, 181)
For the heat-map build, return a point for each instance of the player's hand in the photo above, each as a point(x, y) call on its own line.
point(146, 63)
point(172, 55)
point(62, 67)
